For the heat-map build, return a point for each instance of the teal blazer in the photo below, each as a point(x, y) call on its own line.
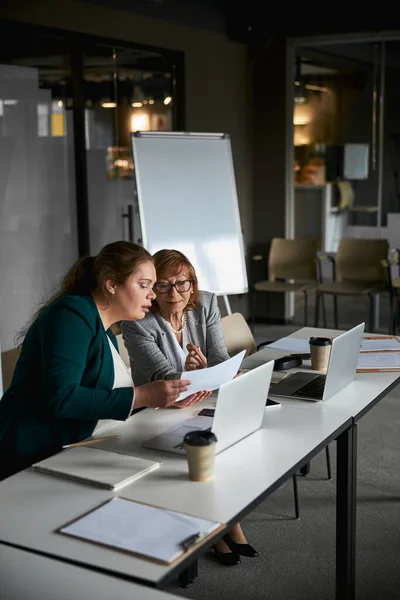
point(62, 383)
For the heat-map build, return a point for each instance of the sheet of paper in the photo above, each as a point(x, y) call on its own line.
point(213, 377)
point(379, 360)
point(139, 528)
point(291, 344)
point(383, 344)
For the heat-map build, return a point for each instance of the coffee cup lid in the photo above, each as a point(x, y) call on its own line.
point(200, 437)
point(320, 341)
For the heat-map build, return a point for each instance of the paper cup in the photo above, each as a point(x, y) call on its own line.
point(320, 349)
point(200, 454)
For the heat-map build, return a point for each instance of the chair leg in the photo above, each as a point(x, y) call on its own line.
point(324, 321)
point(305, 309)
point(392, 323)
point(328, 462)
point(335, 311)
point(253, 307)
point(188, 575)
point(316, 312)
point(296, 497)
point(371, 317)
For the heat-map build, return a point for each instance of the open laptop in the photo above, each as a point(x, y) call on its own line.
point(341, 370)
point(238, 413)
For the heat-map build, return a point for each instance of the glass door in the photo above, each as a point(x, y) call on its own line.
point(126, 90)
point(38, 236)
point(337, 141)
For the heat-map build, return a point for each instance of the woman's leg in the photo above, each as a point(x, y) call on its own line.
point(236, 534)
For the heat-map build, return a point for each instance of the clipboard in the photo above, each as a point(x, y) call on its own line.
point(382, 337)
point(144, 535)
point(378, 370)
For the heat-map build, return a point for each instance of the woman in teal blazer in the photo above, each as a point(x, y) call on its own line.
point(65, 379)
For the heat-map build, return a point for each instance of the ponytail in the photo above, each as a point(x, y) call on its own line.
point(116, 261)
point(80, 279)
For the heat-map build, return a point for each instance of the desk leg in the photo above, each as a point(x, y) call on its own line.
point(188, 575)
point(346, 480)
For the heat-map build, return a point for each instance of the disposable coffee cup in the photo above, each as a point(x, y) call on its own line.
point(320, 349)
point(200, 453)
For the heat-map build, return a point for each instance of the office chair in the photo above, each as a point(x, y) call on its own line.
point(292, 267)
point(357, 270)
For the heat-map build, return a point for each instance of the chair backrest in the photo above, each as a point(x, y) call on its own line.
point(8, 361)
point(122, 350)
point(293, 259)
point(361, 260)
point(237, 334)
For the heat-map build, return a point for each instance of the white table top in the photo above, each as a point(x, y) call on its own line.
point(28, 576)
point(354, 400)
point(34, 505)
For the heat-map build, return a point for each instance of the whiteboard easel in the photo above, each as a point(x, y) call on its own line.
point(187, 199)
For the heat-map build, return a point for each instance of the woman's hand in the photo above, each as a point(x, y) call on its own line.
point(160, 394)
point(195, 358)
point(193, 399)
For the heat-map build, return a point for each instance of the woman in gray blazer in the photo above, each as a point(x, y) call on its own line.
point(181, 333)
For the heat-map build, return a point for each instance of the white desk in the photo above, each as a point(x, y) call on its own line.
point(244, 475)
point(354, 402)
point(28, 576)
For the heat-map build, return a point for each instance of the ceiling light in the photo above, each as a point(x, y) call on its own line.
point(316, 88)
point(167, 100)
point(138, 98)
point(107, 103)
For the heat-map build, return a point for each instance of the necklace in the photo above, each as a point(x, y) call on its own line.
point(177, 331)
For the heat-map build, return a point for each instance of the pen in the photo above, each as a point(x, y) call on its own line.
point(103, 439)
point(192, 540)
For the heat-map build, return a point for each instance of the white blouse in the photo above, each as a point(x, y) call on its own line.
point(122, 375)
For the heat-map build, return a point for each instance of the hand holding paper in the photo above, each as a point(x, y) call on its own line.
point(211, 378)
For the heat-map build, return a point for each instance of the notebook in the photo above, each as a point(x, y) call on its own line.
point(93, 466)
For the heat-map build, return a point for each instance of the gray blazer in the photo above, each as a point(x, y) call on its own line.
point(152, 348)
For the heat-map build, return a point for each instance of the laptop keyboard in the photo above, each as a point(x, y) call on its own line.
point(312, 389)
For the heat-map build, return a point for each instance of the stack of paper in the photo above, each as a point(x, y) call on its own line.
point(379, 361)
point(292, 345)
point(384, 344)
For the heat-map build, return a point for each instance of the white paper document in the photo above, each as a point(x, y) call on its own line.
point(139, 528)
point(213, 377)
point(291, 344)
point(380, 344)
point(379, 360)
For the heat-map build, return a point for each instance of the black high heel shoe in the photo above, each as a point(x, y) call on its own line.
point(242, 549)
point(228, 559)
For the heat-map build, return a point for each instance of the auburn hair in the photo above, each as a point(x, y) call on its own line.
point(170, 262)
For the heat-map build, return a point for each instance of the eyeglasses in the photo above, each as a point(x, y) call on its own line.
point(162, 287)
